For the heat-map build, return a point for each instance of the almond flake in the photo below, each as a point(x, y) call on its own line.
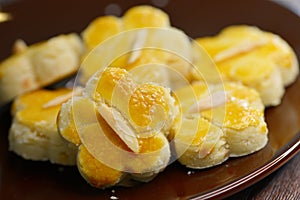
point(63, 98)
point(138, 44)
point(19, 46)
point(121, 127)
point(243, 47)
point(216, 99)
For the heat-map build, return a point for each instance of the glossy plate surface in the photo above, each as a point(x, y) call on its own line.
point(35, 20)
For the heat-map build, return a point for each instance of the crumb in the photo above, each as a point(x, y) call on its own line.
point(190, 173)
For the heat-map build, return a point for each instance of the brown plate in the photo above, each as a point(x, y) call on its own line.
point(35, 20)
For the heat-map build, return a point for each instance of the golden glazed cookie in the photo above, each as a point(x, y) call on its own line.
point(136, 143)
point(39, 65)
point(139, 103)
point(199, 143)
point(258, 59)
point(33, 133)
point(158, 43)
point(236, 109)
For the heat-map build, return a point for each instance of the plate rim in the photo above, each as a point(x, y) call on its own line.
point(281, 157)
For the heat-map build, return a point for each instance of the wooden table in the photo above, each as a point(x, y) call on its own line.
point(283, 184)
